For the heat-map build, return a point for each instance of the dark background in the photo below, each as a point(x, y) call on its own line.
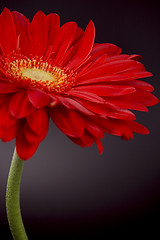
point(70, 191)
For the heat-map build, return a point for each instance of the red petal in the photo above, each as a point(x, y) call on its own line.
point(85, 140)
point(107, 110)
point(69, 54)
point(85, 46)
point(109, 68)
point(101, 109)
point(140, 84)
point(68, 121)
point(138, 128)
point(37, 97)
point(20, 106)
point(74, 46)
point(22, 27)
point(100, 58)
point(115, 127)
point(137, 68)
point(8, 134)
point(115, 78)
point(78, 35)
point(144, 97)
point(31, 136)
point(39, 121)
point(8, 88)
point(118, 57)
point(93, 128)
point(38, 34)
point(8, 38)
point(25, 150)
point(99, 145)
point(4, 99)
point(6, 120)
point(53, 100)
point(108, 48)
point(73, 104)
point(135, 57)
point(126, 102)
point(62, 40)
point(108, 91)
point(65, 44)
point(88, 65)
point(53, 24)
point(123, 114)
point(86, 95)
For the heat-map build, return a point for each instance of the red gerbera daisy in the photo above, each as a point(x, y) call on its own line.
point(58, 72)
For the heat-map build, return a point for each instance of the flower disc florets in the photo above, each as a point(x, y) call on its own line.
point(38, 73)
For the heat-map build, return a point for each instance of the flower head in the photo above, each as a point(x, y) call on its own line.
point(48, 71)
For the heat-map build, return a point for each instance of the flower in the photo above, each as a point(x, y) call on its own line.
point(48, 71)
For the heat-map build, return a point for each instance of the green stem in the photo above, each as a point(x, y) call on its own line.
point(12, 199)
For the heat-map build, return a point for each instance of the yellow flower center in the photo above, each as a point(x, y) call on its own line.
point(38, 73)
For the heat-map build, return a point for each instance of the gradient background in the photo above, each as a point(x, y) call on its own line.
point(70, 191)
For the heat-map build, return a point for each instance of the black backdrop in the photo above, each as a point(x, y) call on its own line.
point(70, 191)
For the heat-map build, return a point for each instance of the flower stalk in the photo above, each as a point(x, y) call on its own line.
point(12, 199)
